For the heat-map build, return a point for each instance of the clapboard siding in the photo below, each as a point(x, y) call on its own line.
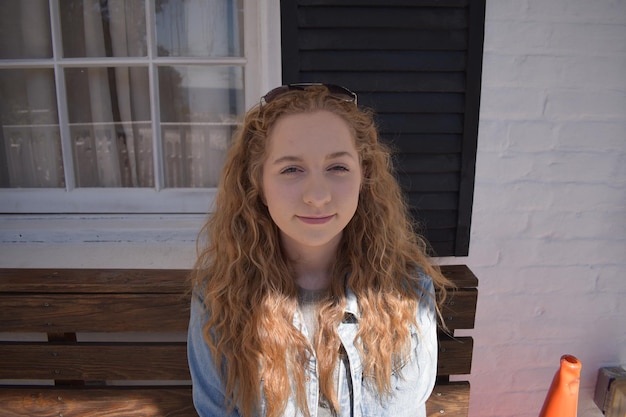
point(417, 64)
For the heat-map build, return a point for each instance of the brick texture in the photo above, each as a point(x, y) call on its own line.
point(549, 224)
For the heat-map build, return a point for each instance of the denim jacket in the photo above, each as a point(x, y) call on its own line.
point(357, 398)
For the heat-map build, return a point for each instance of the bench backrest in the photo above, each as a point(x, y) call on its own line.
point(77, 341)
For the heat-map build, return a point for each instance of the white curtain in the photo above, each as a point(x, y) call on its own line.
point(31, 151)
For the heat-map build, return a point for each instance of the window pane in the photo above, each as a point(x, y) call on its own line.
point(103, 28)
point(110, 126)
point(25, 29)
point(30, 145)
point(199, 28)
point(199, 108)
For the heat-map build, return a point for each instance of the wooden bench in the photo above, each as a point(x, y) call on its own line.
point(111, 342)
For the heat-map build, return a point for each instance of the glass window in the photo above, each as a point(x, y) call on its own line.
point(118, 94)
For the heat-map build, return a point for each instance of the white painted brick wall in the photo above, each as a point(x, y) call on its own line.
point(549, 225)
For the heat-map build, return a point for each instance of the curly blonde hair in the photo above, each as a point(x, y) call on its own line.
point(248, 285)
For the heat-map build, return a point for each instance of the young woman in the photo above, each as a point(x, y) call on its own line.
point(313, 295)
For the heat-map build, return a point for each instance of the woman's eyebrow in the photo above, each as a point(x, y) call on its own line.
point(293, 158)
point(340, 154)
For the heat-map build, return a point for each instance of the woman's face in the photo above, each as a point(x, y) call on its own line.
point(311, 179)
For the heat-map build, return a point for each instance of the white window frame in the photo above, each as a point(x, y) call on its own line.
point(261, 63)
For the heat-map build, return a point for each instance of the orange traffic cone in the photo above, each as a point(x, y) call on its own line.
point(562, 398)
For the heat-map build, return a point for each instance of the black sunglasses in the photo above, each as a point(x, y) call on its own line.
point(336, 91)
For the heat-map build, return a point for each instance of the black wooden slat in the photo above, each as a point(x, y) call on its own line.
point(400, 39)
point(437, 219)
point(420, 163)
point(380, 60)
point(441, 235)
point(445, 82)
point(400, 17)
point(289, 41)
point(433, 201)
point(424, 143)
point(419, 123)
point(411, 102)
point(470, 128)
point(441, 248)
point(448, 181)
point(385, 3)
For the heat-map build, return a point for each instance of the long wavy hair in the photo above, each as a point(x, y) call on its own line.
point(249, 288)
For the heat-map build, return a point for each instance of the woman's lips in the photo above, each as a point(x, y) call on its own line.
point(316, 220)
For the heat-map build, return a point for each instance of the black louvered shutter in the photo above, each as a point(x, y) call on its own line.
point(418, 65)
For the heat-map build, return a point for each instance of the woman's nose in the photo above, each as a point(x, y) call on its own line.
point(317, 192)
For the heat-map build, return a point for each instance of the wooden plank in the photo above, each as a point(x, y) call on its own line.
point(108, 402)
point(459, 310)
point(136, 361)
point(94, 280)
point(94, 361)
point(450, 400)
point(461, 275)
point(455, 355)
point(137, 281)
point(66, 313)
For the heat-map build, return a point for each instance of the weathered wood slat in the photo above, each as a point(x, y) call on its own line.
point(97, 402)
point(143, 281)
point(63, 313)
point(450, 400)
point(94, 280)
point(459, 309)
point(455, 355)
point(461, 275)
point(137, 361)
point(94, 361)
point(59, 313)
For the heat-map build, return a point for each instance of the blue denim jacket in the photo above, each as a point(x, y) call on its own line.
point(410, 390)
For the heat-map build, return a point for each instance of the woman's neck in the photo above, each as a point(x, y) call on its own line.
point(312, 264)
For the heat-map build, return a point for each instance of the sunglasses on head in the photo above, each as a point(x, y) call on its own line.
point(336, 91)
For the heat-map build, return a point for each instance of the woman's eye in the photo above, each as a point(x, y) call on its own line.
point(289, 170)
point(339, 168)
